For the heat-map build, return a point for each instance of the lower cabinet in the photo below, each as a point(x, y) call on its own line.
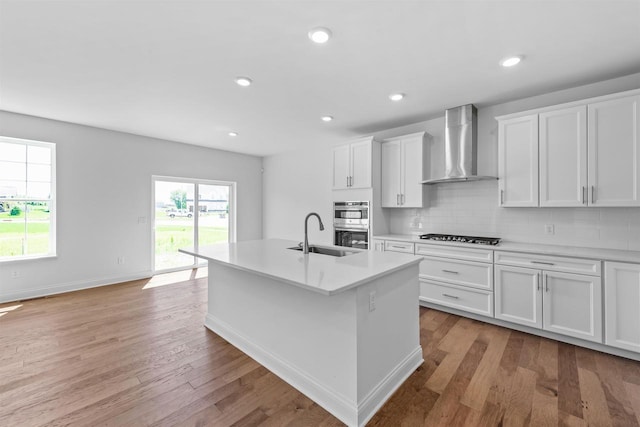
point(622, 305)
point(564, 303)
point(377, 245)
point(463, 298)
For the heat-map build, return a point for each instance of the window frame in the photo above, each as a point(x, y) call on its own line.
point(52, 252)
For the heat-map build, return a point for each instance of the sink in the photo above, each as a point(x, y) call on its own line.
point(326, 251)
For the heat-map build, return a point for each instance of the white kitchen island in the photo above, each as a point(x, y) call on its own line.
point(342, 330)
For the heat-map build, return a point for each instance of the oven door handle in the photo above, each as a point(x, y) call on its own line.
point(352, 229)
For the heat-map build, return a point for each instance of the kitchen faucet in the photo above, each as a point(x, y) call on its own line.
point(305, 247)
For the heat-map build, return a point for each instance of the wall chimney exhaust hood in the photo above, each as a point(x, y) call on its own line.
point(460, 146)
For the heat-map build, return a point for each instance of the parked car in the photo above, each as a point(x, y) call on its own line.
point(172, 213)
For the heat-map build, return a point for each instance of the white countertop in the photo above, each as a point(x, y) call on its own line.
point(320, 273)
point(535, 248)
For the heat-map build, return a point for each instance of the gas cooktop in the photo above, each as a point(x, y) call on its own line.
point(462, 239)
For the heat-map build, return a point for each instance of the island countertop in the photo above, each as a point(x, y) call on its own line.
point(320, 273)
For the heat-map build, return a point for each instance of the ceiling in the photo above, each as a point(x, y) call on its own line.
point(166, 69)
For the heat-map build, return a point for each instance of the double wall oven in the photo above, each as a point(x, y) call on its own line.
point(351, 224)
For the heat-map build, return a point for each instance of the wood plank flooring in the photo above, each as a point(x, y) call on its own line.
point(137, 354)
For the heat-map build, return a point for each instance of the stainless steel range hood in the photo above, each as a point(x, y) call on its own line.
point(460, 146)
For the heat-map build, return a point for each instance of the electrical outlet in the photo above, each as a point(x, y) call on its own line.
point(15, 274)
point(120, 260)
point(372, 300)
point(549, 229)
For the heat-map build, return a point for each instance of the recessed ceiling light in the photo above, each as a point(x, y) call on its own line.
point(320, 35)
point(511, 61)
point(327, 118)
point(233, 133)
point(396, 96)
point(243, 81)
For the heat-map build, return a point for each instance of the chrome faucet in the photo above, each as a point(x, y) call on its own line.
point(305, 247)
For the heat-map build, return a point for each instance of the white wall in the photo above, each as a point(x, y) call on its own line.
point(464, 208)
point(103, 186)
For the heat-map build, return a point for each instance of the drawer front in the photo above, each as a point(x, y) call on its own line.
point(552, 263)
point(468, 254)
point(464, 273)
point(471, 300)
point(395, 246)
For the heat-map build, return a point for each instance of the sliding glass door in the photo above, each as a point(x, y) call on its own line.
point(182, 220)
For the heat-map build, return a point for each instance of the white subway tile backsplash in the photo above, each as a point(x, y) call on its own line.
point(472, 208)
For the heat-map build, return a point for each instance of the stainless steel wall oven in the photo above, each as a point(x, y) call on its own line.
point(351, 224)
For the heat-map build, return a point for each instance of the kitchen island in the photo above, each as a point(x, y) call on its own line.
point(342, 330)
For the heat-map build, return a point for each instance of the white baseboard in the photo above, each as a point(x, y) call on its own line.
point(72, 286)
point(368, 406)
point(341, 407)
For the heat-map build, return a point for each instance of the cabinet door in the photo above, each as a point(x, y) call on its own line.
point(391, 174)
point(518, 161)
point(614, 152)
point(622, 305)
point(572, 305)
point(361, 164)
point(340, 167)
point(518, 295)
point(412, 172)
point(377, 245)
point(563, 157)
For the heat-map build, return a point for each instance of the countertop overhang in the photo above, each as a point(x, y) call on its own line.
point(319, 273)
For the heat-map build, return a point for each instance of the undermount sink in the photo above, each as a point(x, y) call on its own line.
point(326, 251)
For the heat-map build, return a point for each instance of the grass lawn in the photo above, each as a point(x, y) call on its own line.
point(12, 233)
point(170, 238)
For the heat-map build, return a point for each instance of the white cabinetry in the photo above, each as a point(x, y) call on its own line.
point(614, 152)
point(352, 164)
point(377, 245)
point(518, 161)
point(622, 305)
point(459, 278)
point(403, 170)
point(548, 296)
point(585, 153)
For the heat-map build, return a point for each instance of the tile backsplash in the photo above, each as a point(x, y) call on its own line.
point(471, 208)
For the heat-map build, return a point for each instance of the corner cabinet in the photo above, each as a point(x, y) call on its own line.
point(584, 153)
point(352, 164)
point(622, 305)
point(403, 170)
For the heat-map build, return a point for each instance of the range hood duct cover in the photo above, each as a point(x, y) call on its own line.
point(460, 146)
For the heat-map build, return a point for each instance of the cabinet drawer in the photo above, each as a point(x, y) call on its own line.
point(465, 273)
point(552, 263)
point(472, 300)
point(395, 246)
point(468, 254)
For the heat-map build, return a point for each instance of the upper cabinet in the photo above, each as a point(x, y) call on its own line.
point(403, 169)
point(580, 154)
point(352, 164)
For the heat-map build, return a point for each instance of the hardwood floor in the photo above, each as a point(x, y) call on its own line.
point(138, 354)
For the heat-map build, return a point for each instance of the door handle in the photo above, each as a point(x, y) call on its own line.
point(584, 191)
point(538, 279)
point(546, 283)
point(397, 200)
point(402, 199)
point(593, 194)
point(347, 181)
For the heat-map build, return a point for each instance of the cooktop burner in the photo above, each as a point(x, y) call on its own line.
point(462, 239)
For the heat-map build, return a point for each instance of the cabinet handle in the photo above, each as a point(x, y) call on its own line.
point(397, 200)
point(450, 271)
point(542, 262)
point(450, 296)
point(538, 279)
point(501, 197)
point(546, 283)
point(593, 194)
point(402, 199)
point(398, 247)
point(584, 191)
point(347, 181)
point(350, 181)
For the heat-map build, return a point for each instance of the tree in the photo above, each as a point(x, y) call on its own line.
point(179, 198)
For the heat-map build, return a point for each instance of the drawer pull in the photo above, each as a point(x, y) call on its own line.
point(398, 247)
point(450, 296)
point(542, 262)
point(450, 271)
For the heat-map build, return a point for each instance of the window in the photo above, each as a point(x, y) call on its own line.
point(27, 198)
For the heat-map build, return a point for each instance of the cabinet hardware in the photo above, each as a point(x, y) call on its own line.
point(450, 296)
point(584, 191)
point(450, 271)
point(402, 199)
point(593, 194)
point(347, 181)
point(397, 199)
point(546, 282)
point(398, 247)
point(542, 262)
point(538, 277)
point(350, 181)
point(502, 197)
